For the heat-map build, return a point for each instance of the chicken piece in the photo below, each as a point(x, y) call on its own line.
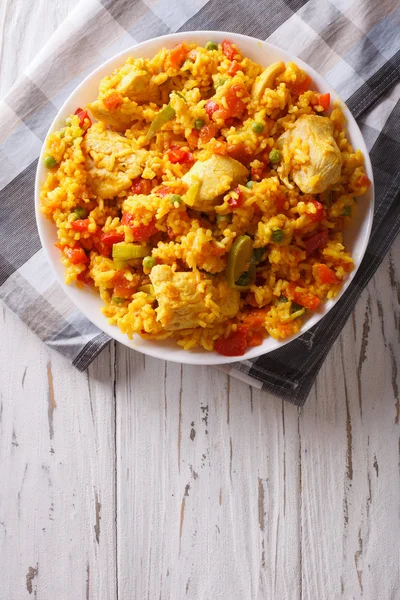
point(134, 84)
point(112, 162)
point(215, 175)
point(101, 140)
point(186, 300)
point(120, 118)
point(107, 184)
point(266, 79)
point(325, 161)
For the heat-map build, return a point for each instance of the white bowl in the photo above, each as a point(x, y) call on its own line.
point(356, 237)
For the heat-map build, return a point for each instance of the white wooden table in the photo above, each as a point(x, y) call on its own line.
point(147, 480)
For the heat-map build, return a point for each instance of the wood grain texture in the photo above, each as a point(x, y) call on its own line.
point(147, 480)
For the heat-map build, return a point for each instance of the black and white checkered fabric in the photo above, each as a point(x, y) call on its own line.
point(354, 44)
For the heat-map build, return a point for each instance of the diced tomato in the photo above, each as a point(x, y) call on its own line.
point(165, 190)
point(216, 250)
point(83, 114)
point(255, 319)
point(103, 249)
point(324, 100)
point(112, 238)
point(256, 173)
point(178, 155)
point(234, 345)
point(141, 186)
point(234, 101)
point(363, 181)
point(141, 233)
point(211, 107)
point(176, 57)
point(324, 274)
point(80, 224)
point(113, 101)
point(123, 291)
point(303, 298)
point(255, 338)
point(220, 148)
point(320, 211)
point(236, 202)
point(75, 255)
point(316, 241)
point(193, 138)
point(86, 243)
point(85, 278)
point(240, 152)
point(280, 201)
point(234, 68)
point(228, 49)
point(301, 86)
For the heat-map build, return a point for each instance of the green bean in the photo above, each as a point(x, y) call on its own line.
point(277, 235)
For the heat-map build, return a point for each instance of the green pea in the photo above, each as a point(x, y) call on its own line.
point(49, 162)
point(118, 300)
point(211, 46)
point(346, 211)
point(221, 219)
point(198, 124)
point(257, 127)
point(148, 262)
point(250, 184)
point(176, 198)
point(80, 212)
point(277, 235)
point(275, 156)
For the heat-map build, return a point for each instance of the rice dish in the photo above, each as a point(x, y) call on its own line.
point(204, 197)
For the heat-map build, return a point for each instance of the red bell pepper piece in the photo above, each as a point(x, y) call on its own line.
point(113, 101)
point(112, 238)
point(303, 298)
point(324, 274)
point(228, 49)
point(141, 233)
point(324, 100)
point(80, 224)
point(235, 344)
point(83, 114)
point(316, 241)
point(211, 107)
point(236, 202)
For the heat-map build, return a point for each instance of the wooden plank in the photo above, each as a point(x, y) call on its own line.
point(57, 505)
point(204, 503)
point(350, 440)
point(57, 464)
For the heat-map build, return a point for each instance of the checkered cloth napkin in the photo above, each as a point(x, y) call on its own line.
point(354, 44)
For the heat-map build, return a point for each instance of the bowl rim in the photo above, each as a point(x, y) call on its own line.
point(200, 356)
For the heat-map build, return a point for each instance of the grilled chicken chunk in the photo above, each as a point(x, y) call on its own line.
point(215, 175)
point(266, 79)
point(186, 299)
point(325, 162)
point(112, 162)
